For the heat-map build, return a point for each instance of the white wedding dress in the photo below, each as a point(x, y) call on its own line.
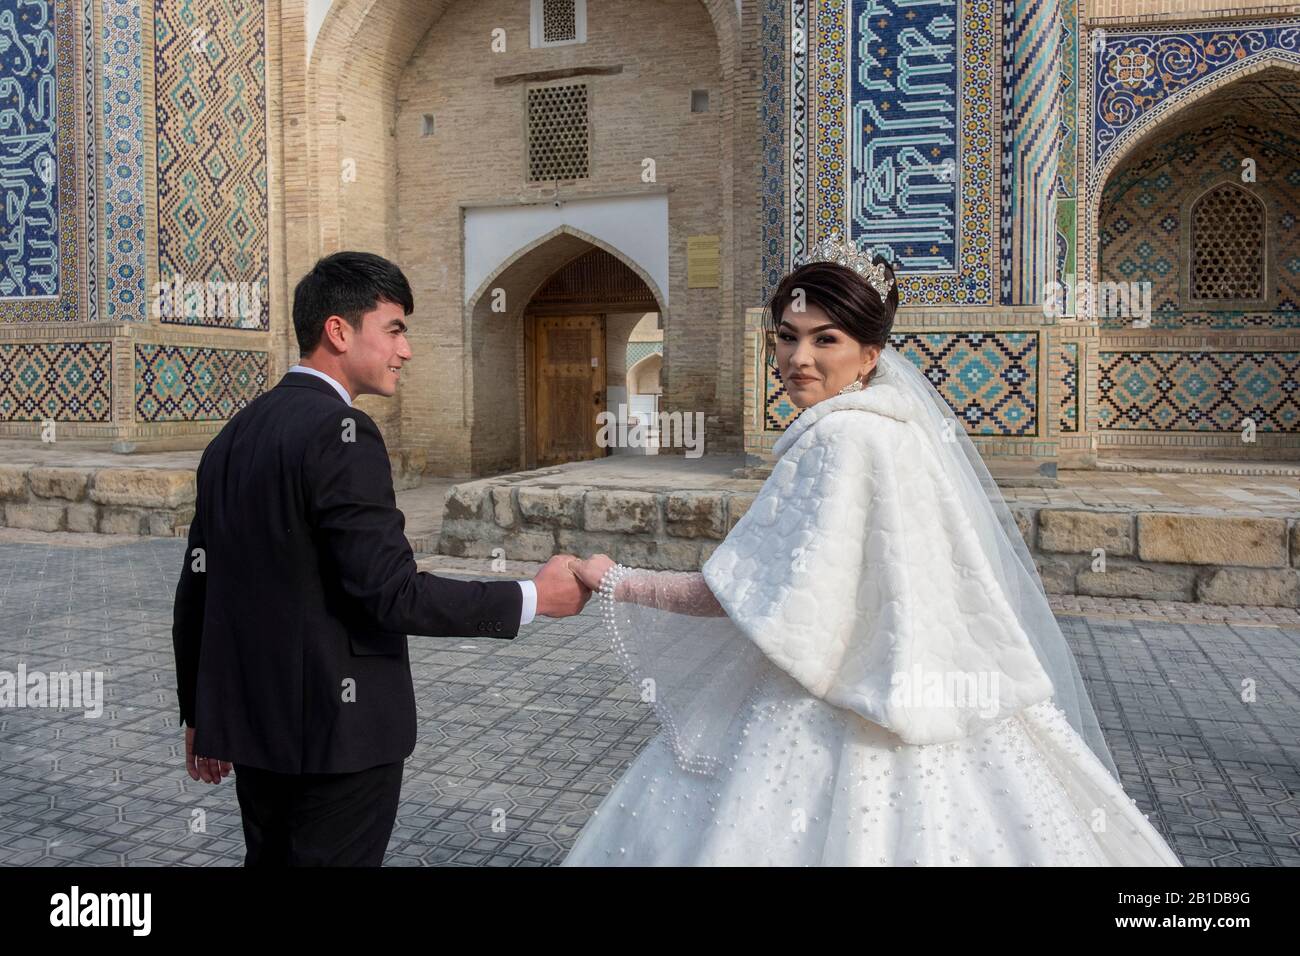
point(814, 784)
point(866, 672)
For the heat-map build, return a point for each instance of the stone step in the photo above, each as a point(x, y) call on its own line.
point(1286, 469)
point(1217, 539)
point(1222, 559)
point(135, 497)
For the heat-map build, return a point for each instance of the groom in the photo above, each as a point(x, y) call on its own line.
point(299, 587)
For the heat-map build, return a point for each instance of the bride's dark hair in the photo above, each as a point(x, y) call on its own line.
point(851, 304)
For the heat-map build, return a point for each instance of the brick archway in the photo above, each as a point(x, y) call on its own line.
point(501, 427)
point(351, 86)
point(524, 252)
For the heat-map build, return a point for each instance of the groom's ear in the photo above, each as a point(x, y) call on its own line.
point(338, 332)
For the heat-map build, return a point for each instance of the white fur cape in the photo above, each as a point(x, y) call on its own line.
point(856, 572)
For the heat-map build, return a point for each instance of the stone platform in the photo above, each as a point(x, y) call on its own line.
point(88, 487)
point(1220, 533)
point(1217, 538)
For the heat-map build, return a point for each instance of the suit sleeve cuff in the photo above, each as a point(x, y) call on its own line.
point(530, 602)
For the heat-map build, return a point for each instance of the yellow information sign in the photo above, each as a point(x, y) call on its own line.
point(703, 262)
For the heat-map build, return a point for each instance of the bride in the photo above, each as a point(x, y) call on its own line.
point(866, 671)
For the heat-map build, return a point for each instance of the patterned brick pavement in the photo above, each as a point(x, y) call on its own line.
point(519, 740)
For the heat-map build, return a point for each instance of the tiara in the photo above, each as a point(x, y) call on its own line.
point(846, 254)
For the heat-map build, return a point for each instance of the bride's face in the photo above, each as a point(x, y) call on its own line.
point(816, 358)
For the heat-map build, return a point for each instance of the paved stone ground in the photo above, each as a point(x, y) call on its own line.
point(533, 732)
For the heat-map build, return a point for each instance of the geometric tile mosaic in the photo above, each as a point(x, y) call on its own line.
point(40, 208)
point(779, 412)
point(122, 152)
point(210, 78)
point(1069, 61)
point(1067, 165)
point(772, 43)
point(89, 201)
point(1066, 240)
point(63, 381)
point(989, 379)
point(1068, 420)
point(189, 384)
point(904, 163)
point(1200, 391)
point(1032, 85)
point(1142, 233)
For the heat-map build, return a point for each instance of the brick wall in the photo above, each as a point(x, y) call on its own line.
point(478, 154)
point(377, 69)
point(1171, 9)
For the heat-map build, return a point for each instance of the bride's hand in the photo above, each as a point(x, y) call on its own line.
point(590, 571)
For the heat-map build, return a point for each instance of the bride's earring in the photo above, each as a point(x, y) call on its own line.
point(853, 386)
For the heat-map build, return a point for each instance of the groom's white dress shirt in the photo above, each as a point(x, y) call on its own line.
point(528, 587)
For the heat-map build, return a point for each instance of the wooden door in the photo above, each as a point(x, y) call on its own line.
point(569, 377)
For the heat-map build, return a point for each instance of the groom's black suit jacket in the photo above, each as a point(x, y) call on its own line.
point(290, 641)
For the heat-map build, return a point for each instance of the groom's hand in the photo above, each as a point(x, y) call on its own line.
point(207, 769)
point(559, 592)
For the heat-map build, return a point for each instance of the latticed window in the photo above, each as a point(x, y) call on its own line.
point(559, 21)
point(556, 22)
point(1227, 246)
point(557, 132)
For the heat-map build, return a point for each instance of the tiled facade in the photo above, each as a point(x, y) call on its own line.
point(63, 382)
point(1144, 235)
point(1201, 391)
point(122, 159)
point(185, 383)
point(989, 378)
point(210, 108)
point(1175, 113)
point(1068, 403)
point(1127, 164)
point(898, 140)
point(153, 117)
point(1139, 76)
point(42, 231)
point(988, 147)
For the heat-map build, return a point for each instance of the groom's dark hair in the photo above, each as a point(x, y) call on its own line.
point(346, 284)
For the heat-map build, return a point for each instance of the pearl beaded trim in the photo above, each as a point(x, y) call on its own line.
point(687, 755)
point(701, 765)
